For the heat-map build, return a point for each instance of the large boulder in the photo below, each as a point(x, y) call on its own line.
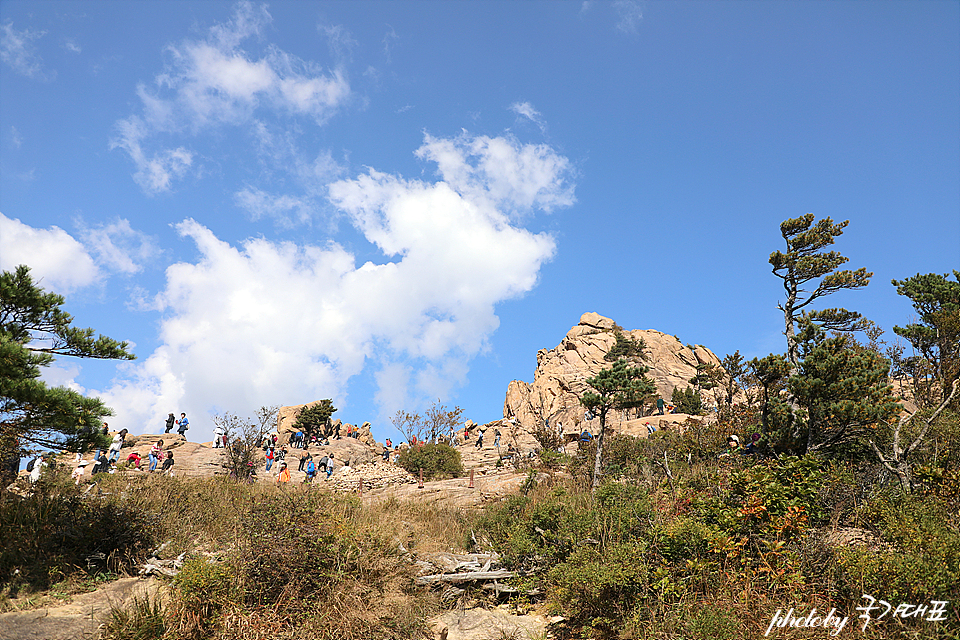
point(561, 374)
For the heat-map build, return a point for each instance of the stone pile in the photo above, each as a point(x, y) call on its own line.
point(377, 475)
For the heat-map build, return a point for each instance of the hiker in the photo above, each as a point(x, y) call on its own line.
point(311, 471)
point(650, 428)
point(282, 454)
point(101, 465)
point(284, 476)
point(586, 436)
point(183, 425)
point(324, 461)
point(389, 443)
point(171, 420)
point(270, 457)
point(218, 436)
point(38, 463)
point(660, 406)
point(156, 454)
point(303, 460)
point(496, 437)
point(167, 462)
point(480, 433)
point(733, 445)
point(78, 472)
point(753, 446)
point(134, 459)
point(116, 445)
point(330, 466)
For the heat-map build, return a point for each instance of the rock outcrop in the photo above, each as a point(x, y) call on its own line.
point(561, 374)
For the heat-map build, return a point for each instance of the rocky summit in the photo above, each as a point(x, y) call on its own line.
point(561, 374)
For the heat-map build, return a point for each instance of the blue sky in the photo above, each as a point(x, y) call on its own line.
point(392, 202)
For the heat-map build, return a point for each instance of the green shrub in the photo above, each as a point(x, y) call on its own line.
point(921, 558)
point(776, 498)
point(687, 401)
point(597, 588)
point(437, 461)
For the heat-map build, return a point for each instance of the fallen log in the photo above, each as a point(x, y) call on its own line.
point(469, 576)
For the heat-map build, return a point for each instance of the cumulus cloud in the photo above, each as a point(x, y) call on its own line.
point(214, 82)
point(265, 322)
point(17, 50)
point(59, 261)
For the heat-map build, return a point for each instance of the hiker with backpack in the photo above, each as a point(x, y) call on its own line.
point(311, 471)
point(171, 420)
point(270, 458)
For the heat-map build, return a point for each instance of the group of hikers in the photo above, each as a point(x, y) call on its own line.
point(274, 453)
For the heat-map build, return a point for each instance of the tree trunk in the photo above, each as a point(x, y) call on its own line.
point(599, 455)
point(793, 354)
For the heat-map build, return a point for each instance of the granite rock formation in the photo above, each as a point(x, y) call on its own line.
point(561, 373)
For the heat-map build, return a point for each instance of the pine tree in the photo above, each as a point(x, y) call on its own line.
point(33, 331)
point(936, 336)
point(805, 262)
point(313, 419)
point(845, 390)
point(619, 387)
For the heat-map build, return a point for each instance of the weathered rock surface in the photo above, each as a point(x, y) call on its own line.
point(78, 618)
point(561, 373)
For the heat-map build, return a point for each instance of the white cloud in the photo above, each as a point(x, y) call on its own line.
point(55, 258)
point(17, 50)
point(526, 110)
point(268, 322)
point(62, 374)
point(15, 138)
point(72, 46)
point(285, 210)
point(214, 82)
point(117, 246)
point(390, 38)
point(501, 173)
point(155, 172)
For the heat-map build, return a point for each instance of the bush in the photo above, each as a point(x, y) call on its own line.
point(921, 558)
point(438, 461)
point(687, 401)
point(57, 532)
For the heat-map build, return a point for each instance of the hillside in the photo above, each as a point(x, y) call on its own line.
point(518, 547)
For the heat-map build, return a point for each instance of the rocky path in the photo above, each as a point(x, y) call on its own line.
point(79, 618)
